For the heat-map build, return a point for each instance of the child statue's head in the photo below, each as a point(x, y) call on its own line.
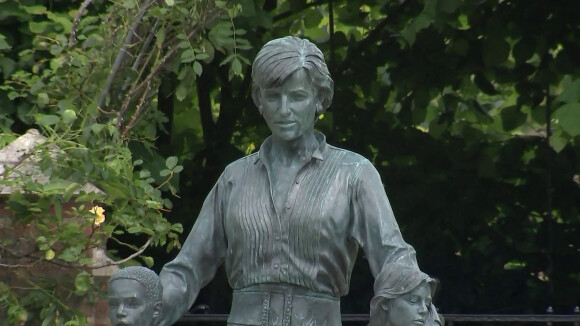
point(403, 297)
point(135, 295)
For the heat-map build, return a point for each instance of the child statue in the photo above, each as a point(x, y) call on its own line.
point(135, 295)
point(403, 297)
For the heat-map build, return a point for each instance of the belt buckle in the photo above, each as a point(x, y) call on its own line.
point(286, 309)
point(266, 308)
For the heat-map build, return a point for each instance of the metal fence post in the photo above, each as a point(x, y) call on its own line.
point(576, 312)
point(549, 311)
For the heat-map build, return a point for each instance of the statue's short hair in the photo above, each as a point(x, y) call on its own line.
point(281, 57)
point(145, 276)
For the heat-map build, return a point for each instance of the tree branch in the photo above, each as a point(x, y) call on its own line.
point(146, 45)
point(155, 70)
point(135, 116)
point(204, 103)
point(73, 33)
point(121, 55)
point(119, 262)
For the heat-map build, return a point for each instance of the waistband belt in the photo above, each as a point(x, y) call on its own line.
point(283, 305)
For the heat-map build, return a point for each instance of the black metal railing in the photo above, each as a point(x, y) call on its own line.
point(451, 319)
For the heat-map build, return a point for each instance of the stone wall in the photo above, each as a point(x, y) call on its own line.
point(18, 159)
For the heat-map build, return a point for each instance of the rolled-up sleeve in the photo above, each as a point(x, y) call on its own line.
point(375, 227)
point(195, 265)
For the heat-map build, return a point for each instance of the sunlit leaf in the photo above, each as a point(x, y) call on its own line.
point(568, 116)
point(171, 162)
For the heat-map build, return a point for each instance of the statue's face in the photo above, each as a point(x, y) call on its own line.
point(411, 309)
point(289, 109)
point(128, 304)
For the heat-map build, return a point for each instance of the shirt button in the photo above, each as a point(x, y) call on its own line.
point(297, 182)
point(276, 266)
point(277, 237)
point(287, 206)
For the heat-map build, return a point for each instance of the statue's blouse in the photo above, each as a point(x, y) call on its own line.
point(336, 204)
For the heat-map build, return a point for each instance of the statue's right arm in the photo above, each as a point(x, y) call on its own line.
point(196, 264)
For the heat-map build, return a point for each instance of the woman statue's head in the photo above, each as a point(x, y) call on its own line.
point(403, 297)
point(280, 58)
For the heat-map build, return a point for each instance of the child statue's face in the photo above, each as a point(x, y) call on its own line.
point(410, 309)
point(128, 304)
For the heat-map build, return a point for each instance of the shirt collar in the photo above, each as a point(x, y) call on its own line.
point(318, 153)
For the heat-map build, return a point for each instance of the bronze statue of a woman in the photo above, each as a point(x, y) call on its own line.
point(288, 220)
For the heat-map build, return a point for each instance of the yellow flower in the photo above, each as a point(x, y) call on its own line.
point(100, 214)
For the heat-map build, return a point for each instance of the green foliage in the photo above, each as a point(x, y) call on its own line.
point(85, 77)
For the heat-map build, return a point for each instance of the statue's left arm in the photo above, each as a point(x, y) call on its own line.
point(374, 224)
point(197, 261)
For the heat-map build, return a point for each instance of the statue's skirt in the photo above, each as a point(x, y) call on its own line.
point(283, 305)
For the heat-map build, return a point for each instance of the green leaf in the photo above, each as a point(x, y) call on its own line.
point(312, 19)
point(42, 100)
point(38, 28)
point(3, 44)
point(227, 59)
point(97, 127)
point(69, 116)
point(70, 254)
point(129, 4)
point(7, 65)
point(237, 66)
point(171, 162)
point(447, 6)
point(63, 19)
point(571, 93)
point(568, 116)
point(202, 56)
point(495, 51)
point(170, 3)
point(515, 264)
point(178, 169)
point(197, 68)
point(421, 22)
point(558, 141)
point(35, 10)
point(83, 282)
point(409, 34)
point(484, 84)
point(148, 260)
point(46, 119)
point(181, 91)
point(187, 56)
point(524, 49)
point(164, 172)
point(512, 117)
point(134, 229)
point(160, 36)
point(248, 8)
point(153, 204)
point(49, 254)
